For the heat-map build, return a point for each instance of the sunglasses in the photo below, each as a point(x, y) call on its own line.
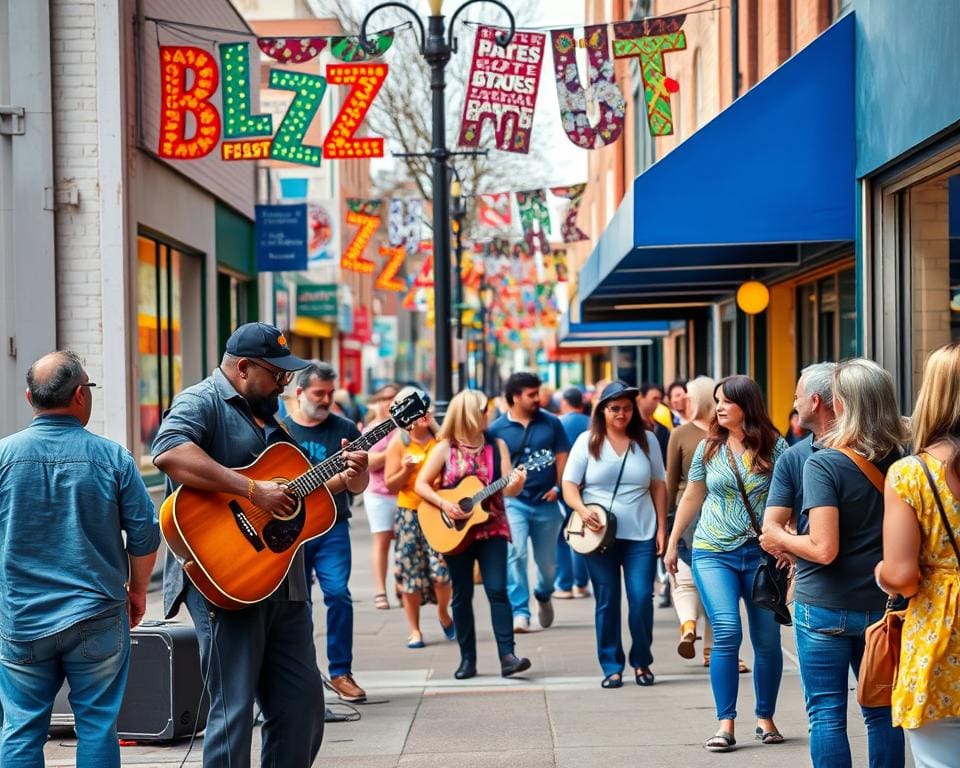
point(279, 375)
point(620, 409)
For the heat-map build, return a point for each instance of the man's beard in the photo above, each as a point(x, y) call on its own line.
point(314, 412)
point(264, 408)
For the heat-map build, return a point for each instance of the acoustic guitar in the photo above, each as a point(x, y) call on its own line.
point(237, 554)
point(448, 536)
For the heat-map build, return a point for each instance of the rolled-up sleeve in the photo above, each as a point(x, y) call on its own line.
point(187, 421)
point(138, 517)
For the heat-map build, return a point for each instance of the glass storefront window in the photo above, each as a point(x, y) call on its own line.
point(170, 331)
point(934, 239)
point(827, 318)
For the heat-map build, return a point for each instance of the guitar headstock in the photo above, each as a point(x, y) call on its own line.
point(539, 460)
point(411, 408)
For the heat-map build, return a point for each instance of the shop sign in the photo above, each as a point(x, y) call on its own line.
point(385, 331)
point(345, 310)
point(281, 234)
point(361, 324)
point(317, 301)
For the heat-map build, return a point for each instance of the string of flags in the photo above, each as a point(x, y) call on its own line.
point(501, 89)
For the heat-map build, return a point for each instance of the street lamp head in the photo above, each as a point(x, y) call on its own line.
point(456, 188)
point(435, 6)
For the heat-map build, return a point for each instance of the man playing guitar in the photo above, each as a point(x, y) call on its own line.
point(264, 652)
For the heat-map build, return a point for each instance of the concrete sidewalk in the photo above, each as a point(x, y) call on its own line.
point(419, 716)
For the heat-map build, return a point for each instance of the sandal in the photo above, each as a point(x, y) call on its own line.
point(721, 742)
point(769, 737)
point(644, 677)
point(612, 681)
point(415, 641)
point(380, 601)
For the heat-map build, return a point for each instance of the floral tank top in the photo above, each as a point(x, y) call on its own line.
point(463, 464)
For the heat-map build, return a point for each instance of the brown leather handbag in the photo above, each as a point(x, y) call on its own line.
point(881, 655)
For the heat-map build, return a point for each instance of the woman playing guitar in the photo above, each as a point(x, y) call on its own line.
point(464, 449)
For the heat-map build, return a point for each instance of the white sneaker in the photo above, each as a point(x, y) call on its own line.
point(521, 625)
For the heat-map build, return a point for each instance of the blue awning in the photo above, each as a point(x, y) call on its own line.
point(767, 185)
point(622, 334)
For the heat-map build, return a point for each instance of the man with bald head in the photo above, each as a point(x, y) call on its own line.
point(78, 539)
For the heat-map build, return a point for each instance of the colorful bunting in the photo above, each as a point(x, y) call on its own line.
point(603, 87)
point(289, 50)
point(348, 49)
point(403, 224)
point(176, 101)
point(387, 280)
point(569, 231)
point(502, 87)
point(535, 220)
point(365, 81)
point(493, 211)
point(353, 255)
point(650, 40)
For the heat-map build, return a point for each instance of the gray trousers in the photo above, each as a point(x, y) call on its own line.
point(264, 655)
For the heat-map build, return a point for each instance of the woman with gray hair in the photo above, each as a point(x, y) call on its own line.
point(836, 597)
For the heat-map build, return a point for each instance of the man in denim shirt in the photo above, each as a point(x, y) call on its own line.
point(71, 588)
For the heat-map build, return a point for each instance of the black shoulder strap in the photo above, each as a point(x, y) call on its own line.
point(943, 513)
point(743, 491)
point(623, 464)
point(497, 469)
point(523, 444)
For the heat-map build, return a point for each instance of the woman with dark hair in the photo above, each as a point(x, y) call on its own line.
point(732, 467)
point(617, 464)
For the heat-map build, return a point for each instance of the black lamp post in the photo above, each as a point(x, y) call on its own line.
point(458, 212)
point(437, 43)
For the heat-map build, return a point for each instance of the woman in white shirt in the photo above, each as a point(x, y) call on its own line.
point(617, 446)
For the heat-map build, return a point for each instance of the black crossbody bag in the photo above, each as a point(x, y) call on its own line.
point(770, 583)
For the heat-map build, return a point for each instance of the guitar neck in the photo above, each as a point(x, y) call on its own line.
point(491, 489)
point(330, 467)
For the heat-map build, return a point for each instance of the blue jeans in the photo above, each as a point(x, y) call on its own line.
point(94, 656)
point(491, 554)
point(829, 644)
point(637, 560)
point(540, 523)
point(723, 580)
point(571, 565)
point(329, 557)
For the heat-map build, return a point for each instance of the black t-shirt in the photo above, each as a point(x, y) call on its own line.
point(322, 441)
point(830, 479)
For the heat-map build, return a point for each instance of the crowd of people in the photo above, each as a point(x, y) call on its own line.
point(694, 485)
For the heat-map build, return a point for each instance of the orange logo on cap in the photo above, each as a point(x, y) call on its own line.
point(282, 340)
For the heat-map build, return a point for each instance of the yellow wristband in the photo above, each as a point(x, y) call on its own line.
point(251, 487)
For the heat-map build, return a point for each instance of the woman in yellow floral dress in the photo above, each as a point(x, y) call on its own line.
point(920, 561)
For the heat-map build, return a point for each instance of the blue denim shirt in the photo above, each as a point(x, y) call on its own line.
point(67, 497)
point(214, 416)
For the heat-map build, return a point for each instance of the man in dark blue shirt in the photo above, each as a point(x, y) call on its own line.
point(814, 404)
point(78, 539)
point(321, 434)
point(572, 576)
point(534, 514)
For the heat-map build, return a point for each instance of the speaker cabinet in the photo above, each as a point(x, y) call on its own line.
point(163, 698)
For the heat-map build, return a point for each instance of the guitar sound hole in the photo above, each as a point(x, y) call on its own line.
point(466, 507)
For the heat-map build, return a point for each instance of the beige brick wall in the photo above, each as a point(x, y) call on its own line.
point(930, 270)
point(78, 264)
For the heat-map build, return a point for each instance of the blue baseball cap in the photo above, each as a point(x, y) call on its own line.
point(264, 342)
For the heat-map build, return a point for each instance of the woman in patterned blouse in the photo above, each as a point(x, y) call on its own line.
point(465, 449)
point(921, 562)
point(726, 554)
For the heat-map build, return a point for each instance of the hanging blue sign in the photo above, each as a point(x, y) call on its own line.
point(281, 232)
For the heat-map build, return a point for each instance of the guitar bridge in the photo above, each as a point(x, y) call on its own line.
point(245, 526)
